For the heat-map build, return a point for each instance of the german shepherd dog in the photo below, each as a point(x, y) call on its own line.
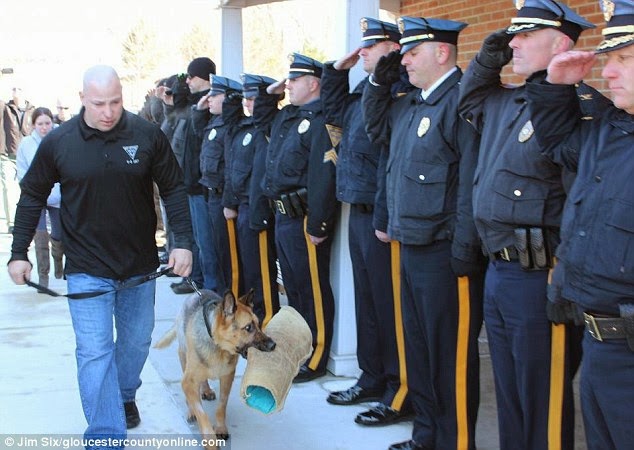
point(212, 331)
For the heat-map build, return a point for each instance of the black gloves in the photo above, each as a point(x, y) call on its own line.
point(233, 98)
point(387, 70)
point(558, 309)
point(495, 52)
point(468, 268)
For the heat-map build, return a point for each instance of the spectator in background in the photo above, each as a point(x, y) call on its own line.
point(16, 125)
point(42, 122)
point(63, 112)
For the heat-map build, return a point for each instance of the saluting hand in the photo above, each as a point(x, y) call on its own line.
point(277, 88)
point(202, 103)
point(388, 69)
point(570, 67)
point(348, 61)
point(180, 261)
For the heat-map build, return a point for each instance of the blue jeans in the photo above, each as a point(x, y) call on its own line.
point(201, 225)
point(108, 371)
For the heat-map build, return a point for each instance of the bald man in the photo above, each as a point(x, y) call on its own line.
point(106, 159)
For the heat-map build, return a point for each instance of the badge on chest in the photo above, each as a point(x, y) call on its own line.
point(212, 135)
point(423, 126)
point(526, 132)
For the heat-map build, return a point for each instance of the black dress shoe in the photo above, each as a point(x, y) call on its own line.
point(352, 396)
point(132, 418)
point(182, 288)
point(381, 415)
point(407, 445)
point(306, 374)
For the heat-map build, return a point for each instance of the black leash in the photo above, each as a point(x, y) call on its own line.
point(84, 295)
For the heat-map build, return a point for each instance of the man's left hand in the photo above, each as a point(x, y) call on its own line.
point(180, 261)
point(317, 240)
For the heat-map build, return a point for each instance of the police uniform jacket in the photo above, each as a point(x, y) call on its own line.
point(246, 144)
point(297, 158)
point(358, 158)
point(597, 250)
point(212, 157)
point(431, 149)
point(107, 208)
point(515, 185)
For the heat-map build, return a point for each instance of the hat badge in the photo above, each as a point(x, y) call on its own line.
point(401, 25)
point(423, 126)
point(291, 58)
point(519, 4)
point(608, 9)
point(364, 25)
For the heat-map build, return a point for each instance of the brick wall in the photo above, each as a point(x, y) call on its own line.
point(486, 16)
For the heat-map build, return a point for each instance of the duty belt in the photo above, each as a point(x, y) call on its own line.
point(506, 254)
point(602, 328)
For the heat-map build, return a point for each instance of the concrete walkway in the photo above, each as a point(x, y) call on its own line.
point(39, 393)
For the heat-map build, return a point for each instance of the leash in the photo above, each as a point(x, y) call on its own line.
point(206, 305)
point(125, 285)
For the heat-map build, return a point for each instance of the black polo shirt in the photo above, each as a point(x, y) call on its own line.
point(107, 210)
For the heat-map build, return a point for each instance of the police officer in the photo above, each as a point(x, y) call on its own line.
point(257, 246)
point(429, 171)
point(380, 354)
point(224, 101)
point(596, 263)
point(518, 197)
point(300, 180)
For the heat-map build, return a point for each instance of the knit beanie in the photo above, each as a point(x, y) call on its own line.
point(201, 68)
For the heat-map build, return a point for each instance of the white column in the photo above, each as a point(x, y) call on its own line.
point(230, 61)
point(343, 352)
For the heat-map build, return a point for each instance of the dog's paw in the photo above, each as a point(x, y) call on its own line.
point(191, 419)
point(208, 395)
point(223, 436)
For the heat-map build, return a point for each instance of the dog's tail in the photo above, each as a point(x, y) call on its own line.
point(167, 338)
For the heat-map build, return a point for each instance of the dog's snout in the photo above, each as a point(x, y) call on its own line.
point(270, 345)
point(266, 344)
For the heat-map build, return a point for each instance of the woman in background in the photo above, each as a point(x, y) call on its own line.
point(42, 120)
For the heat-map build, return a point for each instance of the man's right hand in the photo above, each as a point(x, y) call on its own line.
point(277, 88)
point(348, 61)
point(388, 69)
point(202, 103)
point(495, 52)
point(382, 236)
point(19, 271)
point(570, 67)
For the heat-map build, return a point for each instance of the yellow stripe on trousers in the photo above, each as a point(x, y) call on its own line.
point(233, 252)
point(557, 374)
point(266, 277)
point(318, 301)
point(462, 363)
point(399, 397)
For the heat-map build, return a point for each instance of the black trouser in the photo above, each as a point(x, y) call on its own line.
point(228, 277)
point(258, 255)
point(442, 315)
point(306, 276)
point(378, 352)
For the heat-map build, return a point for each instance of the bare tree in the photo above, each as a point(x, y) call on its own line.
point(196, 42)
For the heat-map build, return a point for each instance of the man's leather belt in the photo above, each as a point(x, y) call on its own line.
point(602, 328)
point(216, 191)
point(506, 254)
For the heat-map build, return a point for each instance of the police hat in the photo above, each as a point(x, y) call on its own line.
point(222, 85)
point(252, 83)
point(619, 31)
point(537, 14)
point(416, 30)
point(303, 65)
point(377, 31)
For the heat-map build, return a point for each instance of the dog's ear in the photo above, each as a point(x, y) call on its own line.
point(229, 304)
point(247, 299)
